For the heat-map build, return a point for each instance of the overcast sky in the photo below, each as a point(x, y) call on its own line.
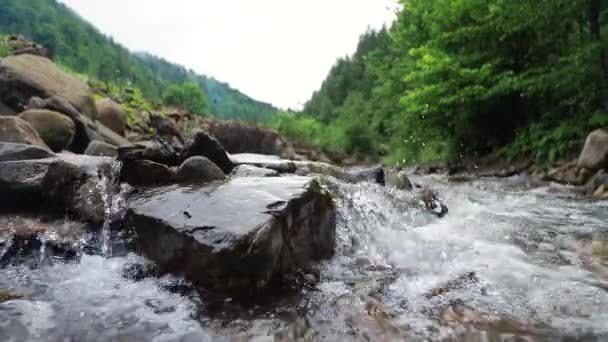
point(277, 51)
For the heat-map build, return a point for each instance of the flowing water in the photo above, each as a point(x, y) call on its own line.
point(504, 263)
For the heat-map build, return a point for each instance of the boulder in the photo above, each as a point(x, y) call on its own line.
point(24, 76)
point(87, 130)
point(20, 46)
point(49, 184)
point(597, 184)
point(100, 148)
point(55, 129)
point(397, 179)
point(252, 171)
point(15, 130)
point(239, 137)
point(569, 173)
point(146, 173)
point(238, 237)
point(203, 144)
point(111, 115)
point(595, 153)
point(155, 150)
point(16, 152)
point(198, 170)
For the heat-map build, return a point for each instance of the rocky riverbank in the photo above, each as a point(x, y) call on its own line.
point(586, 175)
point(233, 223)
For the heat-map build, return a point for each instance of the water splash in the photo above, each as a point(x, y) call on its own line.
point(112, 196)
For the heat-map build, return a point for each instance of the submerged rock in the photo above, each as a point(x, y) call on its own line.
point(428, 199)
point(238, 237)
point(35, 240)
point(204, 145)
point(198, 170)
point(264, 161)
point(398, 179)
point(253, 171)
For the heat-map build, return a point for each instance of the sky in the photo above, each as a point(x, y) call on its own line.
point(277, 51)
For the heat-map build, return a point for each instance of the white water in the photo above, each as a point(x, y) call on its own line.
point(526, 248)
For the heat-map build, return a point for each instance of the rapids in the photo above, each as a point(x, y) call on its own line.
point(505, 262)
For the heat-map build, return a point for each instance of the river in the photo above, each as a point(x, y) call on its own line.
point(506, 262)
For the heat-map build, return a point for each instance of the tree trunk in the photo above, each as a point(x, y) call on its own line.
point(594, 25)
point(594, 18)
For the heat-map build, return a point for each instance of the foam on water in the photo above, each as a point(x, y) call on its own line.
point(524, 248)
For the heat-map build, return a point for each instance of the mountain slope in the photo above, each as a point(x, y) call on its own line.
point(78, 45)
point(225, 102)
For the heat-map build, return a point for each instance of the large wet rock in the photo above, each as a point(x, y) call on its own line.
point(51, 184)
point(239, 137)
point(15, 130)
point(111, 115)
point(24, 76)
point(595, 153)
point(55, 129)
point(204, 145)
point(12, 152)
point(238, 237)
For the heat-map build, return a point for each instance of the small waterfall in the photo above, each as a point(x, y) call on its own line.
point(112, 196)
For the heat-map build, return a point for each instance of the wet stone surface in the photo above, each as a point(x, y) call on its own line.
point(235, 237)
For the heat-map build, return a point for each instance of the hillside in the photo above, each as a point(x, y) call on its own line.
point(467, 78)
point(79, 46)
point(225, 102)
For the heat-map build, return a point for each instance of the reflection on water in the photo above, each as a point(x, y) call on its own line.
point(503, 263)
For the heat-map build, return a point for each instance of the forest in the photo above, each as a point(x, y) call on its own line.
point(81, 48)
point(454, 78)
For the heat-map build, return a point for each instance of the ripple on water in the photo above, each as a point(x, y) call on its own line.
point(528, 258)
point(91, 300)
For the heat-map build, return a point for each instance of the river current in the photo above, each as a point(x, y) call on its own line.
point(507, 263)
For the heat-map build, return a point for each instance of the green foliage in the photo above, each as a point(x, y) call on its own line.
point(470, 77)
point(80, 47)
point(188, 96)
point(4, 47)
